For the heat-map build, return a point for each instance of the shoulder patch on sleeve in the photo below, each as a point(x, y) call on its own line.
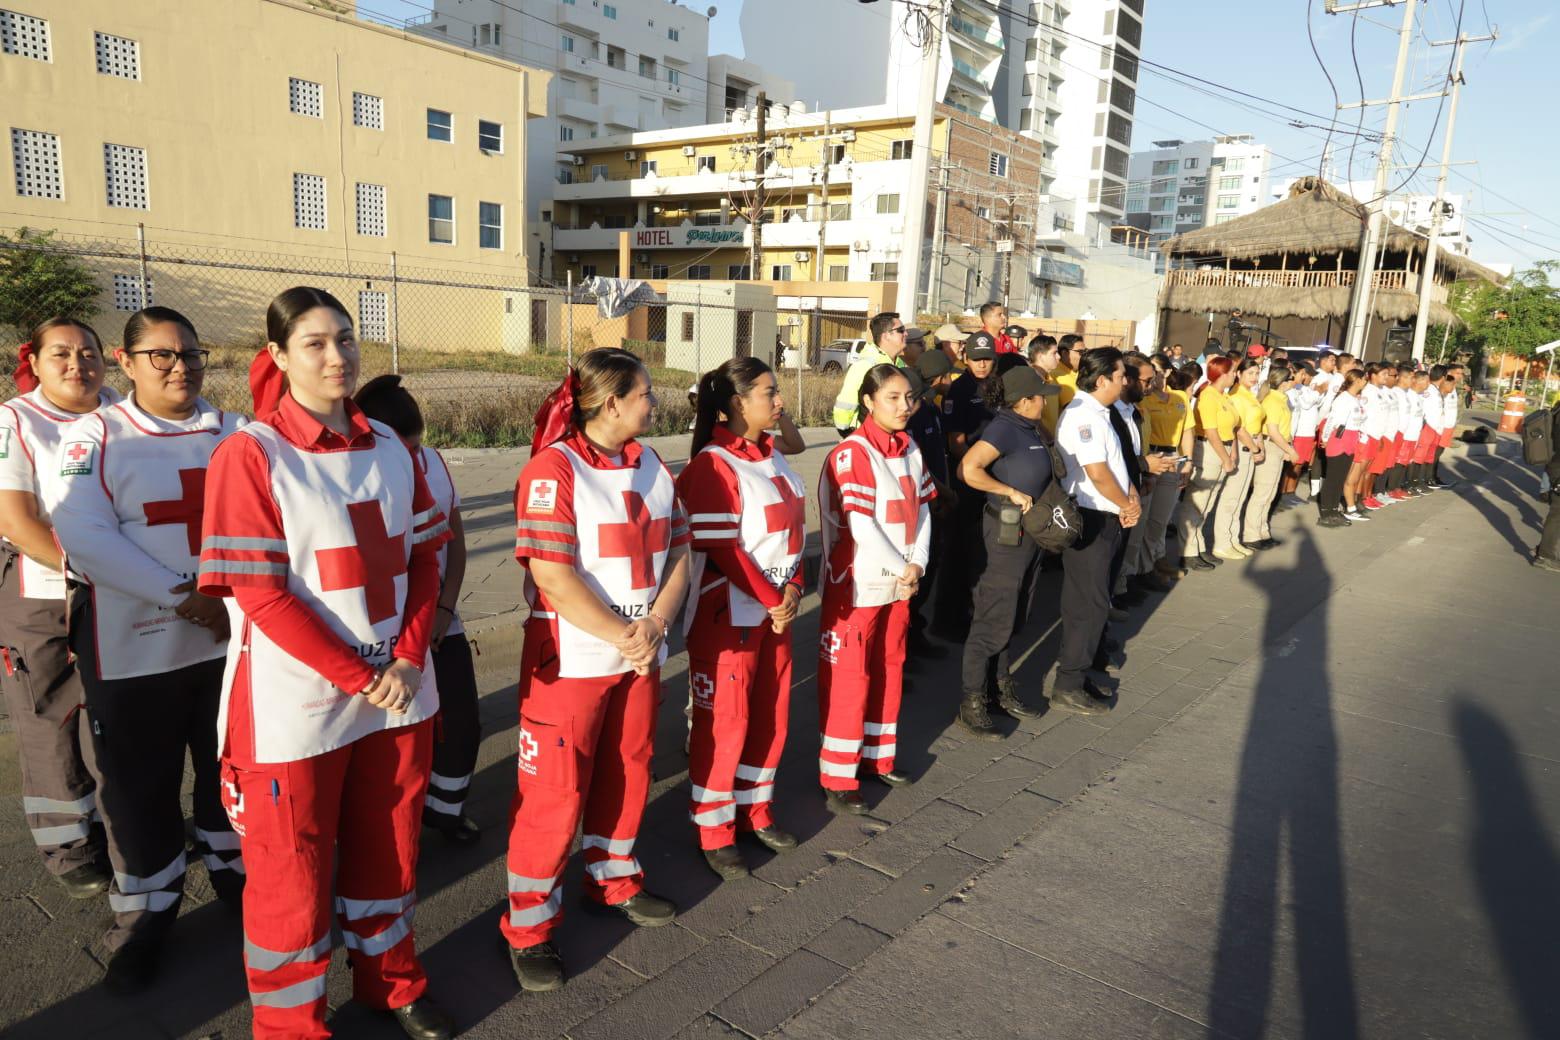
point(1085, 433)
point(842, 461)
point(77, 458)
point(542, 497)
point(5, 442)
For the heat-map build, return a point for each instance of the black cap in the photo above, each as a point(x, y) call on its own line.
point(1015, 332)
point(1023, 381)
point(917, 384)
point(933, 364)
point(981, 346)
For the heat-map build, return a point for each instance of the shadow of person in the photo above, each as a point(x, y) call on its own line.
point(1286, 824)
point(1516, 863)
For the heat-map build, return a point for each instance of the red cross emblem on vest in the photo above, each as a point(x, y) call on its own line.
point(905, 510)
point(637, 541)
point(187, 509)
point(78, 451)
point(372, 564)
point(787, 515)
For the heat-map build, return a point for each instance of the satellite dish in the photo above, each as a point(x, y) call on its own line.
point(710, 13)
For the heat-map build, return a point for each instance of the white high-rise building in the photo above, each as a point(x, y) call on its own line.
point(1063, 72)
point(617, 66)
point(1411, 210)
point(1180, 186)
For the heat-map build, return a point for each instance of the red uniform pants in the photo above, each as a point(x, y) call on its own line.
point(1424, 451)
point(585, 748)
point(741, 684)
point(354, 813)
point(861, 664)
point(1407, 447)
point(1386, 458)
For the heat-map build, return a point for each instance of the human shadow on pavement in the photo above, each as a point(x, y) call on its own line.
point(1517, 866)
point(1287, 807)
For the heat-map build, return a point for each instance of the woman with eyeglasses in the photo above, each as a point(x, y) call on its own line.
point(150, 647)
point(60, 379)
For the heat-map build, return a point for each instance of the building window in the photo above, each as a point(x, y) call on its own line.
point(673, 77)
point(705, 163)
point(1164, 167)
point(1234, 164)
point(660, 271)
point(441, 126)
point(707, 218)
point(490, 136)
point(373, 315)
point(371, 209)
point(1189, 164)
point(674, 35)
point(1229, 201)
point(1229, 183)
point(36, 158)
point(888, 204)
point(982, 213)
point(568, 45)
point(687, 324)
point(441, 219)
point(24, 35)
point(648, 166)
point(565, 133)
point(698, 271)
point(309, 201)
point(587, 271)
point(127, 293)
point(124, 174)
point(117, 56)
point(609, 11)
point(900, 149)
point(839, 272)
point(368, 111)
point(739, 272)
point(305, 98)
point(836, 154)
point(780, 273)
point(490, 225)
point(997, 166)
point(647, 67)
point(888, 272)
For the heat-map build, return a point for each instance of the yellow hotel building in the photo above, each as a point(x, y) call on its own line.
point(271, 133)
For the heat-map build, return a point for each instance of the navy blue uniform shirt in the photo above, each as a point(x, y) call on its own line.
point(1023, 464)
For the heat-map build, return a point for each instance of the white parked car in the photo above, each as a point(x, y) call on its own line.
point(834, 358)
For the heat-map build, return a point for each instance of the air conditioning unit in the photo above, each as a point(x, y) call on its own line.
point(689, 151)
point(800, 256)
point(642, 258)
point(579, 160)
point(630, 156)
point(574, 258)
point(861, 245)
point(847, 136)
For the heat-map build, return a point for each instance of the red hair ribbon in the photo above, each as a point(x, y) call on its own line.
point(267, 383)
point(24, 377)
point(556, 414)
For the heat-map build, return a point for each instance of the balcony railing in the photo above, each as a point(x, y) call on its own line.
point(1218, 278)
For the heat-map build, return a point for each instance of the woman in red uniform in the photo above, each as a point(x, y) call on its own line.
point(61, 379)
point(873, 499)
point(458, 731)
point(604, 546)
point(748, 521)
point(323, 532)
point(150, 648)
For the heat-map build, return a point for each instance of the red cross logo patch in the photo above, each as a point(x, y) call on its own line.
point(188, 509)
point(76, 458)
point(372, 564)
point(787, 515)
point(637, 541)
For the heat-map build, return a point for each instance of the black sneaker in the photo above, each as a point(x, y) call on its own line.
point(537, 968)
point(1210, 559)
point(776, 839)
point(1078, 701)
point(1332, 519)
point(457, 830)
point(644, 909)
point(844, 803)
point(975, 717)
point(1009, 702)
point(727, 862)
point(1195, 563)
point(85, 881)
point(1546, 563)
point(422, 1019)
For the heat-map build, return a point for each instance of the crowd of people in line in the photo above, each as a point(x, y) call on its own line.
point(278, 597)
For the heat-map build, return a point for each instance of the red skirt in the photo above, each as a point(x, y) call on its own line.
point(1305, 449)
point(1344, 442)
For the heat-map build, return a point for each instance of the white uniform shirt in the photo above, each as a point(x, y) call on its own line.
point(1430, 403)
point(1449, 410)
point(1413, 414)
point(1345, 414)
point(1306, 404)
point(1086, 437)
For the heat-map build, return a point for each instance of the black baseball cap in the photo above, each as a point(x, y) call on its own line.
point(1023, 381)
point(917, 384)
point(932, 365)
point(981, 346)
point(1015, 332)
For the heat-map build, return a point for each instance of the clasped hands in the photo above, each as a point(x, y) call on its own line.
point(640, 644)
point(201, 610)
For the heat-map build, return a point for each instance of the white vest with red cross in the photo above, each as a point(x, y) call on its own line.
point(348, 518)
point(44, 432)
point(442, 486)
point(157, 482)
point(893, 486)
point(771, 528)
point(623, 519)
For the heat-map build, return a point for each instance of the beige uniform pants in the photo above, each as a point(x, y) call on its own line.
point(1207, 482)
point(1264, 488)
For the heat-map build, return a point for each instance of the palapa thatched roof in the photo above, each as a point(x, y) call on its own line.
point(1315, 220)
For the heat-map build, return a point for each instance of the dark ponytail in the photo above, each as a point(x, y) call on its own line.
point(734, 378)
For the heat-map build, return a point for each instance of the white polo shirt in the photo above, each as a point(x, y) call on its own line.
point(1085, 436)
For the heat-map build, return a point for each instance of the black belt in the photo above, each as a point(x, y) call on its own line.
point(1162, 447)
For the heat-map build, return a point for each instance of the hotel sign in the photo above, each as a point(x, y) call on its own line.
point(689, 236)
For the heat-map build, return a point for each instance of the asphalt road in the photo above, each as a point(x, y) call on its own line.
point(1325, 806)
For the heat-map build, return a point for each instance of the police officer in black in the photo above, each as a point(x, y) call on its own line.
point(930, 373)
point(1008, 468)
point(965, 414)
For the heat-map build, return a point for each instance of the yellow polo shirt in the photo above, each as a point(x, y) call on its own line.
point(1166, 419)
point(1249, 410)
point(1276, 412)
point(1216, 414)
point(1067, 379)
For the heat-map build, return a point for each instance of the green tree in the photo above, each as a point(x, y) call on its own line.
point(37, 281)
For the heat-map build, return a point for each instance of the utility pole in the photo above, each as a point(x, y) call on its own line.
point(760, 164)
point(820, 271)
point(934, 23)
point(939, 233)
point(1427, 270)
point(1359, 318)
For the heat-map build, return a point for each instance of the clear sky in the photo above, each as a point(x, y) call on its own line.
point(1506, 120)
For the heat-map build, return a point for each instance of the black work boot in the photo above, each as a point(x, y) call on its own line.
point(974, 717)
point(85, 881)
point(644, 909)
point(727, 862)
point(422, 1019)
point(1009, 701)
point(537, 968)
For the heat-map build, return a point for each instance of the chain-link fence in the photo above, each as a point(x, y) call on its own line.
point(478, 347)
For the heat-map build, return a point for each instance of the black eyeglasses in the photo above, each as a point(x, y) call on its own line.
point(164, 360)
point(901, 330)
